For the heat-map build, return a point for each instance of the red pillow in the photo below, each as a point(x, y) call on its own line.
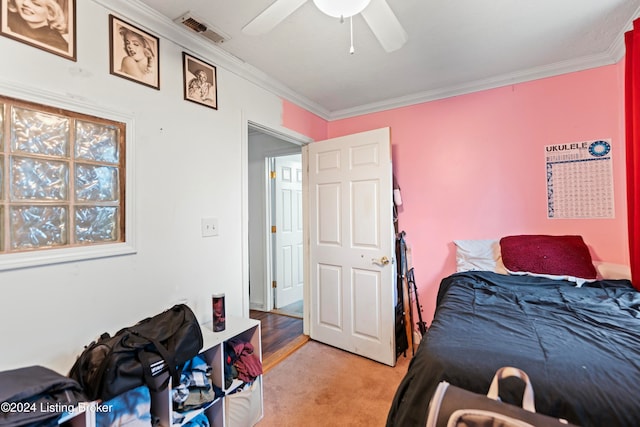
point(565, 256)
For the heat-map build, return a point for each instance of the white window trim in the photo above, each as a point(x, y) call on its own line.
point(12, 261)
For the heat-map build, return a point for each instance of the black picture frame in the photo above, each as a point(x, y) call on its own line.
point(200, 81)
point(49, 25)
point(134, 54)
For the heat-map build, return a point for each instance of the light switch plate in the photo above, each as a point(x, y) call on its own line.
point(209, 227)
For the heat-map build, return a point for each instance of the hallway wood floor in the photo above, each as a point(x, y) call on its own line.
point(281, 336)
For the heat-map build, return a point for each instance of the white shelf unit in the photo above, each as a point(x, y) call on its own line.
point(241, 409)
point(220, 413)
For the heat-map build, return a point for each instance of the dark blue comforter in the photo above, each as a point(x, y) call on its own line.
point(579, 346)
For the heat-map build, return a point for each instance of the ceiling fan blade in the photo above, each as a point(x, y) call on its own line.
point(272, 16)
point(385, 25)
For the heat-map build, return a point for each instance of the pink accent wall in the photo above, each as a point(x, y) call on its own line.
point(473, 166)
point(303, 122)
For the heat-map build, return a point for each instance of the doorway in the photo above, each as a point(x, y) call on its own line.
point(270, 230)
point(364, 286)
point(264, 150)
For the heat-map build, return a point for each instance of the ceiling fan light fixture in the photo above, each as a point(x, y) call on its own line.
point(341, 8)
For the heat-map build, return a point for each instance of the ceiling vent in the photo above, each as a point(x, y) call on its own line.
point(197, 25)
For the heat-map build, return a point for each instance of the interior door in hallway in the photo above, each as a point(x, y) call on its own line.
point(351, 244)
point(288, 232)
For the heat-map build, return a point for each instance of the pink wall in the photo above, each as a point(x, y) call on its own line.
point(473, 166)
point(303, 122)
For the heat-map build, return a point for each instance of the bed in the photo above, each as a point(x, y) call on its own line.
point(577, 338)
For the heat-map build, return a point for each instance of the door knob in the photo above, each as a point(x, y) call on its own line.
point(380, 261)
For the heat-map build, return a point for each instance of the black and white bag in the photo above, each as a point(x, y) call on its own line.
point(136, 355)
point(452, 406)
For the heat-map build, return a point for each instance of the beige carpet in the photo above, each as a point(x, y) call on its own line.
point(319, 385)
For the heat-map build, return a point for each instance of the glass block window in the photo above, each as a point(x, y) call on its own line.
point(61, 178)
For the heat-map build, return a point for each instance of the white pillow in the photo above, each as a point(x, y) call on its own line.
point(611, 271)
point(479, 255)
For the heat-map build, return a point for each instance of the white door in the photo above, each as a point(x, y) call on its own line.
point(288, 231)
point(351, 244)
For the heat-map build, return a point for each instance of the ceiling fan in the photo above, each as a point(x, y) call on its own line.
point(383, 22)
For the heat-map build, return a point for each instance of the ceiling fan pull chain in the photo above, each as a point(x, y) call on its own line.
point(351, 49)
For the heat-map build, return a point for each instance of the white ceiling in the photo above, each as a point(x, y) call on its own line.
point(454, 47)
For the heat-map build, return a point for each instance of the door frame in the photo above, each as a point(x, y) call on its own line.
point(283, 134)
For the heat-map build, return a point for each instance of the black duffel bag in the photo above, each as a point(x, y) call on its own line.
point(137, 355)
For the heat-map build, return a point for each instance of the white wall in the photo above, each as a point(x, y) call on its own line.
point(189, 164)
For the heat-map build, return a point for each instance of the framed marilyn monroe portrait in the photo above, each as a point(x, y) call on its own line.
point(133, 53)
point(200, 81)
point(49, 25)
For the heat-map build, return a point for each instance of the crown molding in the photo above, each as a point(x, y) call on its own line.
point(166, 28)
point(478, 85)
point(613, 55)
point(156, 23)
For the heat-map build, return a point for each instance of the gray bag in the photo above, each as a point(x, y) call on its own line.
point(35, 395)
point(452, 406)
